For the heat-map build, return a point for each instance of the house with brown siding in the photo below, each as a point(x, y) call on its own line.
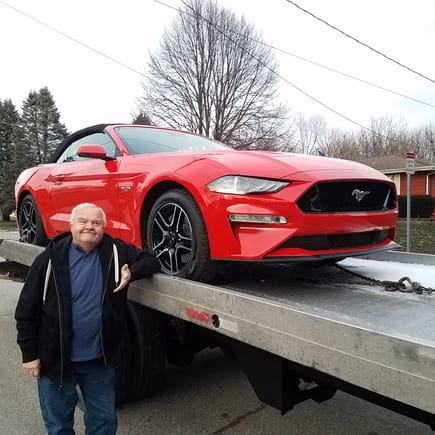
point(422, 181)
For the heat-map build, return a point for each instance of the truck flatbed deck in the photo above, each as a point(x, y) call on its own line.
point(319, 317)
point(381, 341)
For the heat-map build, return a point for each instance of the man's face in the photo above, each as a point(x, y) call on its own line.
point(87, 228)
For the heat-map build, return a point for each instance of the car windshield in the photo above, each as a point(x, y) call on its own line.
point(151, 140)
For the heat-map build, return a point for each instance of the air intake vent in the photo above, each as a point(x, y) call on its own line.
point(337, 241)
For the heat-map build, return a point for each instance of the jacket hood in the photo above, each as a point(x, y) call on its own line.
point(66, 239)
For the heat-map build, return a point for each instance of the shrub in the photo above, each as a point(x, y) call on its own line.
point(422, 206)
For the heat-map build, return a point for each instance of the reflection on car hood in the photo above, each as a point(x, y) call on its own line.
point(286, 165)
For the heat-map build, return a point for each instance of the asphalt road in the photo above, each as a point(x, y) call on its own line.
point(212, 396)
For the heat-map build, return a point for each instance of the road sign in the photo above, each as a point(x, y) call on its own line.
point(410, 163)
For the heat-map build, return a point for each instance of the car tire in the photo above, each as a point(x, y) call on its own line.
point(30, 223)
point(177, 235)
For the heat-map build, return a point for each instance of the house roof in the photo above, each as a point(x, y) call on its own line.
point(394, 163)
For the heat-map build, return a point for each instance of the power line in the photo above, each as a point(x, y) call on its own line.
point(348, 75)
point(178, 10)
point(267, 66)
point(100, 53)
point(195, 13)
point(322, 66)
point(359, 42)
point(65, 35)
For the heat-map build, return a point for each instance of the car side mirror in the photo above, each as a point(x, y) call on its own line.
point(93, 152)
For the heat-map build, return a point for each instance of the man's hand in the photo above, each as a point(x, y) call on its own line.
point(32, 368)
point(125, 278)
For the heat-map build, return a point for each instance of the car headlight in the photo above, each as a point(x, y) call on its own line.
point(238, 185)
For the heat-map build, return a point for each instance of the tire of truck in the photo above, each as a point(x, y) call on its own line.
point(30, 223)
point(147, 352)
point(177, 235)
point(123, 363)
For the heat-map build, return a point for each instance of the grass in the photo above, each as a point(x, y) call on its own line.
point(422, 234)
point(8, 226)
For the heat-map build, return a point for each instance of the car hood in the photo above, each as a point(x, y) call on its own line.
point(288, 165)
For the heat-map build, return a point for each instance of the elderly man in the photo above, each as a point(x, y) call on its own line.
point(70, 318)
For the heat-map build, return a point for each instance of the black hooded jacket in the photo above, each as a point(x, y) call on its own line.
point(43, 312)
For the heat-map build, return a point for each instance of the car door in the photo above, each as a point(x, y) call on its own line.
point(75, 180)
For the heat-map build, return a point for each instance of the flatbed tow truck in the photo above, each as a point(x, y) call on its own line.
point(299, 331)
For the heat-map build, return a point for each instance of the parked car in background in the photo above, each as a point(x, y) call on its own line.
point(194, 201)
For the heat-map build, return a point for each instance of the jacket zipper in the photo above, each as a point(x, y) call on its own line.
point(47, 279)
point(102, 303)
point(60, 329)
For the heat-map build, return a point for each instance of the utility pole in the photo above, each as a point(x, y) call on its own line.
point(409, 171)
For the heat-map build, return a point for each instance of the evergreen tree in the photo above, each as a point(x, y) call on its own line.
point(142, 118)
point(9, 138)
point(42, 129)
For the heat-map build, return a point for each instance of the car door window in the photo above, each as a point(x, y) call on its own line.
point(70, 154)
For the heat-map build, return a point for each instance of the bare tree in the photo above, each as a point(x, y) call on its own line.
point(386, 136)
point(212, 75)
point(340, 144)
point(429, 147)
point(423, 143)
point(310, 134)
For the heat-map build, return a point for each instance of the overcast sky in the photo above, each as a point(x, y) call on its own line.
point(89, 88)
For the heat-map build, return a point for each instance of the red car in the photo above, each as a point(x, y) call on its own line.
point(192, 200)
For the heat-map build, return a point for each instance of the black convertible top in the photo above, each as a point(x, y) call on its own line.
point(98, 128)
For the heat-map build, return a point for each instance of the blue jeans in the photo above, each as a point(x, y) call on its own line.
point(97, 385)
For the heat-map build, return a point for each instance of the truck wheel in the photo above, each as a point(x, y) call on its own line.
point(30, 223)
point(177, 235)
point(123, 363)
point(147, 352)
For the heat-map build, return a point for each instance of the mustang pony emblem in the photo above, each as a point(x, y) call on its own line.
point(360, 194)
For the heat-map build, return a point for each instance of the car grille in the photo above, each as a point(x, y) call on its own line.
point(348, 196)
point(336, 241)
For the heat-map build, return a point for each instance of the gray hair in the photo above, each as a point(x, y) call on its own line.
point(83, 205)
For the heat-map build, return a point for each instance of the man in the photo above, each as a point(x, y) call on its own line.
point(70, 319)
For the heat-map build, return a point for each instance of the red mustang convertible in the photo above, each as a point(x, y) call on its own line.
point(194, 201)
